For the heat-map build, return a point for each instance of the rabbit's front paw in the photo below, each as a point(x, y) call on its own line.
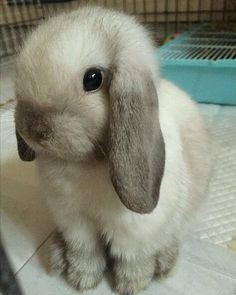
point(128, 286)
point(166, 261)
point(84, 269)
point(57, 252)
point(133, 276)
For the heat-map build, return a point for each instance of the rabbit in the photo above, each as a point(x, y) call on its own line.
point(122, 154)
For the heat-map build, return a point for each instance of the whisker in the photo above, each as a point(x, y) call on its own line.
point(98, 145)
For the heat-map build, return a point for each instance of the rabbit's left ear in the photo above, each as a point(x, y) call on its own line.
point(24, 151)
point(136, 145)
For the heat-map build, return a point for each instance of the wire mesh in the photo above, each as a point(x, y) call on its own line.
point(163, 17)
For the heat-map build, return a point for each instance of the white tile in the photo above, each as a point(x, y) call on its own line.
point(24, 220)
point(210, 257)
point(24, 223)
point(35, 280)
point(218, 223)
point(193, 279)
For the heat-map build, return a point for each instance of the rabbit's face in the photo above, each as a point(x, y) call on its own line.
point(62, 98)
point(86, 85)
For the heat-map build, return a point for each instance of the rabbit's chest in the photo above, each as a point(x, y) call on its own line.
point(92, 188)
point(83, 188)
point(81, 194)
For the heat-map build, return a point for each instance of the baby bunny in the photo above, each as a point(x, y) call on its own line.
point(122, 154)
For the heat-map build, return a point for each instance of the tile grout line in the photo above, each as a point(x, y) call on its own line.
point(35, 252)
point(207, 268)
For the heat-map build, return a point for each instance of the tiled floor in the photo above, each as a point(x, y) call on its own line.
point(206, 265)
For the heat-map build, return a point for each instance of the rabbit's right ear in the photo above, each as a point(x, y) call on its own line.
point(136, 146)
point(24, 151)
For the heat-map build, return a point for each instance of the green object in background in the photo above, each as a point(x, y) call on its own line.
point(203, 63)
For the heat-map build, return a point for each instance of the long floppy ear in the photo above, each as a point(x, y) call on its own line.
point(24, 151)
point(136, 145)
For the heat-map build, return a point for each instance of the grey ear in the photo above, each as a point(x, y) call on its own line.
point(24, 151)
point(136, 146)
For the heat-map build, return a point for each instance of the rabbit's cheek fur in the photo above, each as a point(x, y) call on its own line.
point(73, 141)
point(74, 134)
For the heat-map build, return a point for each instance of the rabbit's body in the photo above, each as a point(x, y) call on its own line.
point(160, 139)
point(83, 191)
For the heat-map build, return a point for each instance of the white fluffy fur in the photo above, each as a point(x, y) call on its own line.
point(81, 197)
point(83, 200)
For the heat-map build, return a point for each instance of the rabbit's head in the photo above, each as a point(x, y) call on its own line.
point(85, 87)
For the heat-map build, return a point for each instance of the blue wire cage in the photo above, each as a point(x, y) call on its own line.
point(203, 63)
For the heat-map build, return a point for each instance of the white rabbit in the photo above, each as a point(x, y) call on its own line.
point(122, 154)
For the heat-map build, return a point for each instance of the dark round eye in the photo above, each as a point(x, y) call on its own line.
point(93, 79)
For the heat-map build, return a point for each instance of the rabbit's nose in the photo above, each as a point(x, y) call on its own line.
point(38, 130)
point(33, 123)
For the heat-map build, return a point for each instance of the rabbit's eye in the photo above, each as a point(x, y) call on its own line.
point(93, 79)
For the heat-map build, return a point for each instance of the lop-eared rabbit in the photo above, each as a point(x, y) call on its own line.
point(122, 154)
